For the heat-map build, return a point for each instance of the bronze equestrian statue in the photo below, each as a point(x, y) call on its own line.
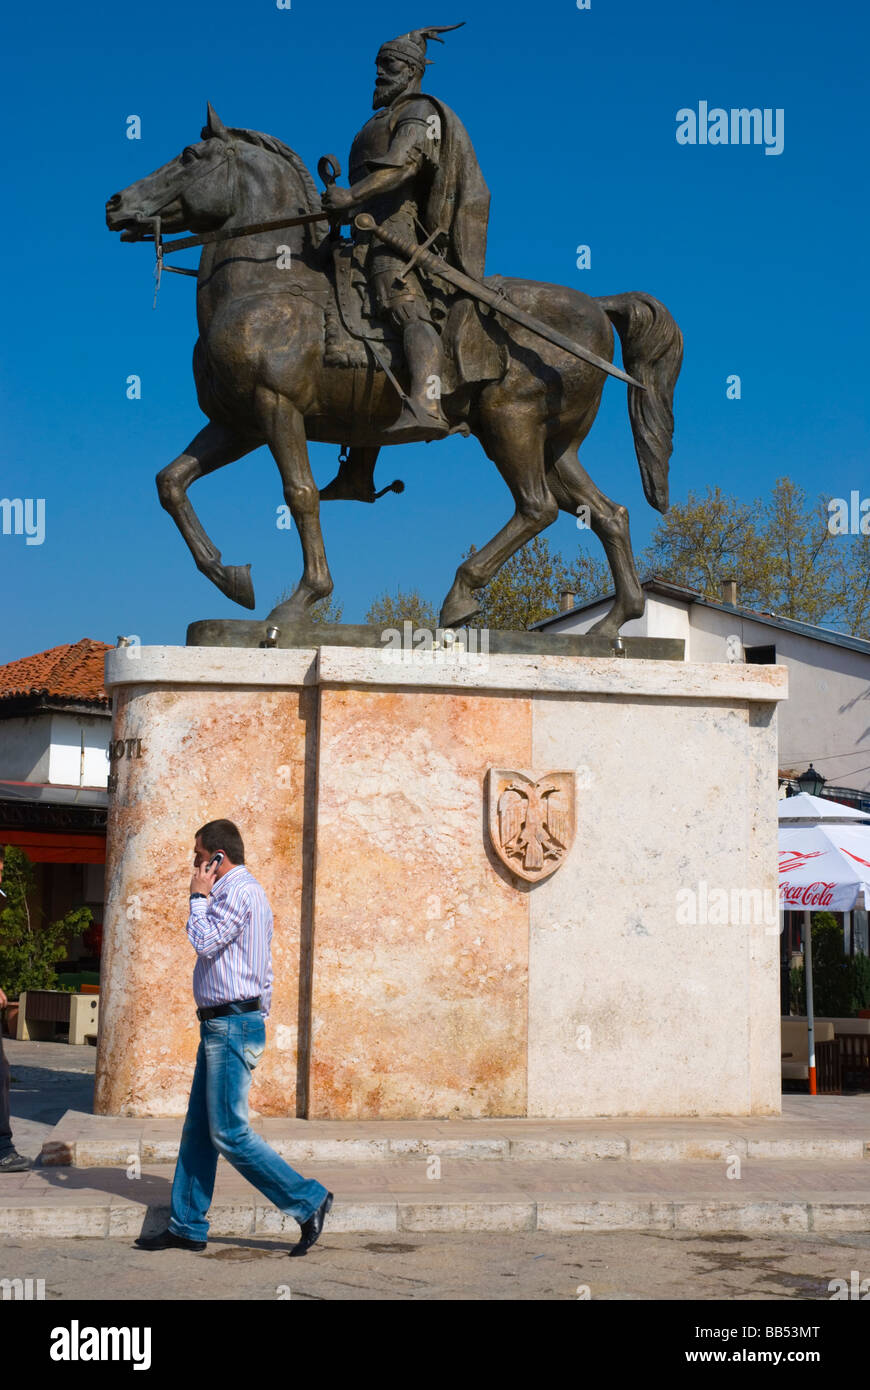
point(393, 335)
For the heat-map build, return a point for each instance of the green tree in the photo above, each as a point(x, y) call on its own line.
point(781, 551)
point(587, 577)
point(841, 986)
point(526, 588)
point(30, 950)
point(391, 610)
point(800, 552)
point(850, 584)
point(325, 610)
point(706, 539)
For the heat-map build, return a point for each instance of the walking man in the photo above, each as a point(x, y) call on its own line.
point(230, 928)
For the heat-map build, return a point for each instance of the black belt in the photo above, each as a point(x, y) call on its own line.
point(238, 1006)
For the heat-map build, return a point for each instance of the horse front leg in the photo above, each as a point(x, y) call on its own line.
point(284, 429)
point(212, 448)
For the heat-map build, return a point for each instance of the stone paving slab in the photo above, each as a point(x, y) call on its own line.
point(507, 1195)
point(833, 1128)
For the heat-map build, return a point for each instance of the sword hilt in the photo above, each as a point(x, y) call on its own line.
point(364, 222)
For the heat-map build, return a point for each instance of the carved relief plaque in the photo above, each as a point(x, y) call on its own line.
point(531, 820)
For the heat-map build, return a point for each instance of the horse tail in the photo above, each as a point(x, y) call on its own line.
point(652, 352)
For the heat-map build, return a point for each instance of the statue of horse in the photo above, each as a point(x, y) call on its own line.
point(262, 377)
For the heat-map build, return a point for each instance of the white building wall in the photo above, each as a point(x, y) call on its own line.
point(826, 718)
point(24, 749)
point(69, 735)
point(663, 618)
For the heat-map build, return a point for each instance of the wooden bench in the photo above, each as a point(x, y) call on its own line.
point(795, 1066)
point(852, 1036)
point(42, 1014)
point(854, 1058)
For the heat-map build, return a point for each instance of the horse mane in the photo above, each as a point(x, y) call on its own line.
point(275, 146)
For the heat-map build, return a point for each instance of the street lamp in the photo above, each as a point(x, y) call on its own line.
point(811, 781)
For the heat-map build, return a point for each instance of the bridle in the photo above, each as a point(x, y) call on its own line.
point(160, 247)
point(329, 169)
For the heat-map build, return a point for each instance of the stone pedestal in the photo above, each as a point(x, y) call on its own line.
point(417, 975)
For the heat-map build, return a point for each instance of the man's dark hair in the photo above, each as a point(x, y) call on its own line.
point(222, 834)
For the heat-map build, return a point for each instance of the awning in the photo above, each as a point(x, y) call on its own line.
point(53, 794)
point(62, 847)
point(824, 855)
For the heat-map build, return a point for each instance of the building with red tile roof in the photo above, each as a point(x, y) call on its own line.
point(67, 675)
point(55, 727)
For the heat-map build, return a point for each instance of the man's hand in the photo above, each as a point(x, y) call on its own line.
point(203, 879)
point(3, 1000)
point(335, 199)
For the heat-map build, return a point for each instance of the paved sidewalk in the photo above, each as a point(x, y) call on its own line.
point(807, 1170)
point(48, 1079)
point(835, 1128)
point(463, 1195)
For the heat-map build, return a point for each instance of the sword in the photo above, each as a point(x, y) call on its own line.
point(364, 222)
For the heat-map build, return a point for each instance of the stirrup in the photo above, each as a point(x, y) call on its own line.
point(414, 424)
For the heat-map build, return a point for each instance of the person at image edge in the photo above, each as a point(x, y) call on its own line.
point(10, 1160)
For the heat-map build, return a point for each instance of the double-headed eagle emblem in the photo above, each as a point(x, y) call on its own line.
point(531, 820)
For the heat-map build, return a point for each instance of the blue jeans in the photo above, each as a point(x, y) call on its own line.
point(217, 1123)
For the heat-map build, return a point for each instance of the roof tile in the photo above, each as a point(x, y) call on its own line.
point(73, 671)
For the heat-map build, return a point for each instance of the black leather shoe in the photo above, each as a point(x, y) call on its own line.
point(312, 1227)
point(167, 1240)
point(14, 1163)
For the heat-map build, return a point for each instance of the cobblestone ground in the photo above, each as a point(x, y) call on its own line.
point(523, 1267)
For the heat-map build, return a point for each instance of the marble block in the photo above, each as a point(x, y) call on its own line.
point(416, 975)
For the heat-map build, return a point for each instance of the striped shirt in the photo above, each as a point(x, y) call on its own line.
point(231, 932)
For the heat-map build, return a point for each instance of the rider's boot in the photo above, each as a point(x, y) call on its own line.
point(421, 417)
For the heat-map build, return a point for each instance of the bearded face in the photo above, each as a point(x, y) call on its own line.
point(394, 77)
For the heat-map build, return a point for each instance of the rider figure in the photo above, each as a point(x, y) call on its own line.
point(413, 168)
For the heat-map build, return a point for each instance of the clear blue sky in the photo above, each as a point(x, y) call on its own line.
point(761, 259)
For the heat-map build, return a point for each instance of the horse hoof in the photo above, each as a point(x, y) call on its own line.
point(458, 612)
point(238, 585)
point(606, 627)
point(294, 611)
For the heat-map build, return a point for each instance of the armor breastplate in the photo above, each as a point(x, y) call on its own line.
point(371, 142)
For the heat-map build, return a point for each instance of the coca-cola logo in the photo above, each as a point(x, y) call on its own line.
point(813, 895)
point(796, 859)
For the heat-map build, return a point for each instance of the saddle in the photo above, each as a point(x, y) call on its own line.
point(475, 348)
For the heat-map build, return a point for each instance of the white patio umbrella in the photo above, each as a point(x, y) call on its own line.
point(824, 862)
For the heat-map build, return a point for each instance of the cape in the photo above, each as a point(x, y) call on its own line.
point(458, 198)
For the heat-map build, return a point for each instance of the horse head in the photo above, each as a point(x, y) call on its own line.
point(229, 171)
point(195, 191)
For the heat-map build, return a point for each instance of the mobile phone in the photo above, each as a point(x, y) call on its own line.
point(216, 861)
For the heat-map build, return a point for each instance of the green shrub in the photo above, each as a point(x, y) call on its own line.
point(30, 950)
point(841, 986)
point(859, 983)
point(797, 990)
